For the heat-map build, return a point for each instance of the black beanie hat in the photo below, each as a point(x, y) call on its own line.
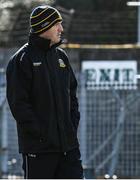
point(43, 18)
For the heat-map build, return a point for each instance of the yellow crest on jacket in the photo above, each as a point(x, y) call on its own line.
point(61, 63)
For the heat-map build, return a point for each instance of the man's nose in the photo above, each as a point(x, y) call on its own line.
point(61, 28)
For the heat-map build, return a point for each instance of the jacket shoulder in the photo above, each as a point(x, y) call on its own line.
point(20, 56)
point(23, 51)
point(61, 51)
point(20, 63)
point(19, 59)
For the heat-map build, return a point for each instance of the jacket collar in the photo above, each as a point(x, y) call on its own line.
point(41, 43)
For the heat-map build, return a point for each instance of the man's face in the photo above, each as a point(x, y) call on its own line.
point(54, 33)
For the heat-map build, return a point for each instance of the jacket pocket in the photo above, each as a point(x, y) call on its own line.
point(31, 130)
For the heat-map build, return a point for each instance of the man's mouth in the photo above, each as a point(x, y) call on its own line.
point(59, 35)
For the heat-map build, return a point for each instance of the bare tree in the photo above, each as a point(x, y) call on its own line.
point(9, 3)
point(96, 5)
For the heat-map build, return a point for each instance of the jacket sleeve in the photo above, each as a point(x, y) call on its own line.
point(74, 106)
point(19, 81)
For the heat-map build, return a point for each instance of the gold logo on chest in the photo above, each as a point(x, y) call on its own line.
point(61, 63)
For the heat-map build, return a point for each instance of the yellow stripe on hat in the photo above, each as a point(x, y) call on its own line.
point(39, 13)
point(48, 25)
point(43, 19)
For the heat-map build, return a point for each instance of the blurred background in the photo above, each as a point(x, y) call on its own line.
point(102, 39)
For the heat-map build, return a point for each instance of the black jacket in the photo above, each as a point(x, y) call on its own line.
point(41, 92)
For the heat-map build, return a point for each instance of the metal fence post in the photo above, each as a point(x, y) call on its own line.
point(0, 143)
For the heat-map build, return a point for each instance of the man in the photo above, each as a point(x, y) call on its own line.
point(41, 92)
